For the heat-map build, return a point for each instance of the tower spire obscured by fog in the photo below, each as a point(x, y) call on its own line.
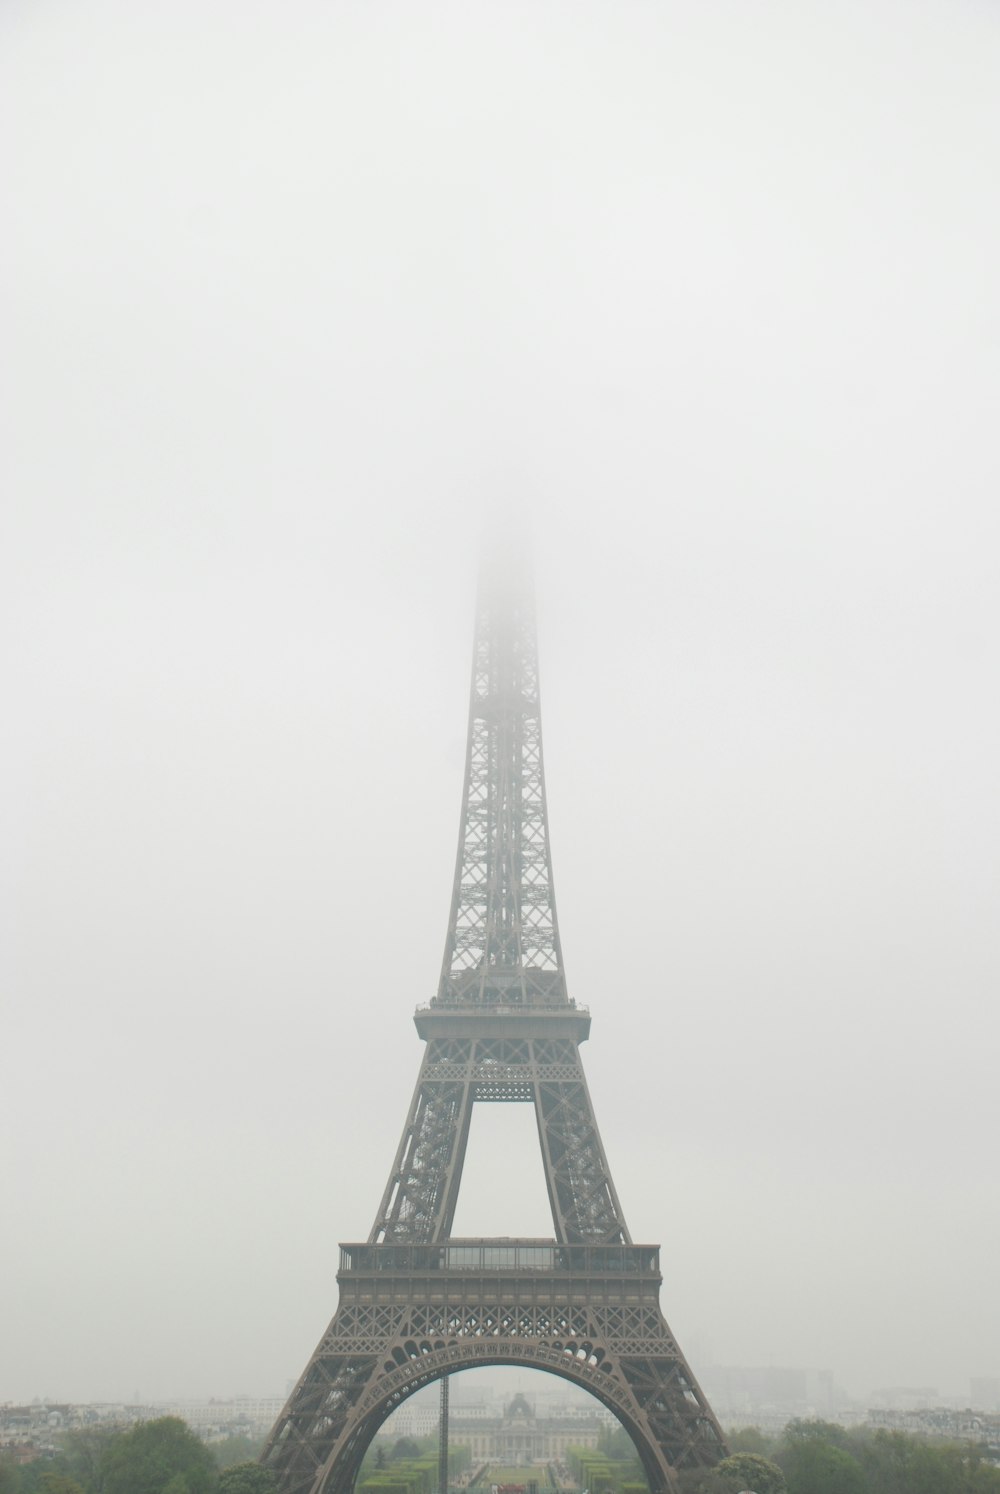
point(503, 935)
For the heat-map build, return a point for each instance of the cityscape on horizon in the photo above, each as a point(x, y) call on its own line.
point(737, 1391)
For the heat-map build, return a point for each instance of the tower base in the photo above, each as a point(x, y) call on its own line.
point(409, 1314)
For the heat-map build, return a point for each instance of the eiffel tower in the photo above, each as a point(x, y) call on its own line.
point(417, 1303)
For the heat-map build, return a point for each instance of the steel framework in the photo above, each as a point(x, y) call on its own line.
point(417, 1303)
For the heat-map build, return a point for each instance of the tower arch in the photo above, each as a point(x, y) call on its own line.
point(564, 1364)
point(422, 1364)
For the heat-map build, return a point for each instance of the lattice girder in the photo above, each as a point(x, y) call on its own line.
point(402, 1323)
point(503, 934)
point(505, 1061)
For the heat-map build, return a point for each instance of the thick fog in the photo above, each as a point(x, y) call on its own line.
point(702, 301)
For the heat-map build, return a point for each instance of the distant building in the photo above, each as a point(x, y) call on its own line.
point(36, 1427)
point(515, 1436)
point(250, 1416)
point(941, 1421)
point(518, 1436)
point(31, 1431)
point(415, 1418)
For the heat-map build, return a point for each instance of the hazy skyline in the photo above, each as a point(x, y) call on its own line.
point(294, 297)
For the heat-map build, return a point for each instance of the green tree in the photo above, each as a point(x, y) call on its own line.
point(813, 1466)
point(734, 1474)
point(240, 1448)
point(405, 1447)
point(247, 1478)
point(804, 1431)
point(83, 1454)
point(615, 1443)
point(159, 1457)
point(885, 1458)
point(897, 1464)
point(42, 1474)
point(59, 1483)
point(10, 1476)
point(751, 1471)
point(751, 1440)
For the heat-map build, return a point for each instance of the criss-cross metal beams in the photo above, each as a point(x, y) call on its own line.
point(415, 1303)
point(506, 1062)
point(502, 1026)
point(409, 1315)
point(503, 937)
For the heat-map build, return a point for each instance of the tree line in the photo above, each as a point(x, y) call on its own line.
point(819, 1457)
point(810, 1457)
point(153, 1457)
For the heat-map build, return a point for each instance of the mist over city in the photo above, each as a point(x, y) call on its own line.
point(691, 313)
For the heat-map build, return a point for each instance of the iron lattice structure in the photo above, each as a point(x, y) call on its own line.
point(417, 1303)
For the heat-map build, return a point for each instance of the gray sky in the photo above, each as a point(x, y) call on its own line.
point(295, 293)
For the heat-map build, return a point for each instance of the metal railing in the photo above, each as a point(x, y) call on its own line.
point(503, 1255)
point(542, 1006)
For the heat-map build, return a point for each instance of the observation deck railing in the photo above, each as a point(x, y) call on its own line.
point(502, 1255)
point(503, 1006)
